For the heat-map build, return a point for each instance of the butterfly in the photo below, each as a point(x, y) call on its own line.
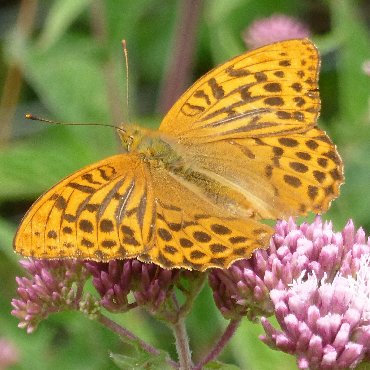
point(239, 146)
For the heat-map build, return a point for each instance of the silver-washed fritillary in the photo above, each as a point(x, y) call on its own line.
point(239, 146)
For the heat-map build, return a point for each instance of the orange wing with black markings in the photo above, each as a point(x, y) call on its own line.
point(272, 90)
point(101, 212)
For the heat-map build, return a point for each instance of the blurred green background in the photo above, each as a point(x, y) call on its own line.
point(62, 59)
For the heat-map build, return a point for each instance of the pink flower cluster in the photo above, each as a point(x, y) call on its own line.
point(53, 286)
point(149, 283)
point(325, 324)
point(316, 282)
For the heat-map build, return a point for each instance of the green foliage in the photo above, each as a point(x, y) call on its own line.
point(216, 365)
point(141, 360)
point(73, 73)
point(23, 178)
point(61, 15)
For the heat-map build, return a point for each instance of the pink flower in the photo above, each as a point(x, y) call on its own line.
point(244, 289)
point(8, 354)
point(52, 287)
point(277, 27)
point(324, 323)
point(241, 290)
point(149, 283)
point(366, 67)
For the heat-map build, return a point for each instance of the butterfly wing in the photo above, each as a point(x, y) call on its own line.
point(101, 212)
point(115, 208)
point(267, 91)
point(251, 122)
point(194, 232)
point(277, 176)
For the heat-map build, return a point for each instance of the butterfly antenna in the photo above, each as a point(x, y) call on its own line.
point(45, 120)
point(125, 53)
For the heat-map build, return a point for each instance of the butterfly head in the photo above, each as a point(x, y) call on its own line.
point(155, 147)
point(137, 139)
point(131, 137)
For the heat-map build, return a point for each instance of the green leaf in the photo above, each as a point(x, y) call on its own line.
point(142, 361)
point(123, 18)
point(60, 16)
point(225, 42)
point(29, 168)
point(69, 79)
point(353, 36)
point(365, 365)
point(216, 365)
point(7, 231)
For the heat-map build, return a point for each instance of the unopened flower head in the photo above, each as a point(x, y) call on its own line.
point(52, 287)
point(244, 288)
point(324, 323)
point(277, 27)
point(240, 291)
point(115, 280)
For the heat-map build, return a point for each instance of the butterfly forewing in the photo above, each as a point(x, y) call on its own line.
point(268, 91)
point(101, 212)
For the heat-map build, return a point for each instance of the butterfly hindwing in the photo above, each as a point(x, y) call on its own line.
point(195, 233)
point(277, 176)
point(101, 212)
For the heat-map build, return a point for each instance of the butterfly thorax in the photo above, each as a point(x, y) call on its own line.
point(153, 146)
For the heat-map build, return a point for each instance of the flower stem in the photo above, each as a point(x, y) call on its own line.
point(179, 70)
point(220, 345)
point(123, 332)
point(11, 89)
point(182, 344)
point(196, 287)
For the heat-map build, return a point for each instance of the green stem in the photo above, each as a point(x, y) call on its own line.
point(196, 287)
point(178, 325)
point(220, 345)
point(123, 332)
point(11, 89)
point(182, 344)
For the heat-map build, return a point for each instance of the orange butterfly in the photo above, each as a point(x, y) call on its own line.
point(239, 146)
